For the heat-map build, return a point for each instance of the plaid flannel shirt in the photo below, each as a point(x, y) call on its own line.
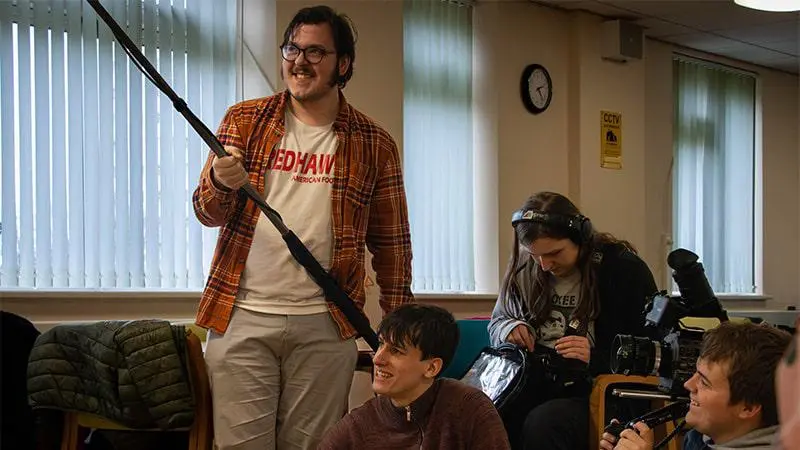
point(368, 209)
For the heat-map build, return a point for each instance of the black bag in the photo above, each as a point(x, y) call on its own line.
point(500, 372)
point(555, 370)
point(504, 372)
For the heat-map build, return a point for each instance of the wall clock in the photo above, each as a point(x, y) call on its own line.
point(536, 88)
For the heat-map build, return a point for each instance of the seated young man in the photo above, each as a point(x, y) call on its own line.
point(414, 408)
point(732, 393)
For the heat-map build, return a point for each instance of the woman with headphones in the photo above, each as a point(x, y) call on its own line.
point(567, 292)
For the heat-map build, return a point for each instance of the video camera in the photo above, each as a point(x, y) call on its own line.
point(673, 355)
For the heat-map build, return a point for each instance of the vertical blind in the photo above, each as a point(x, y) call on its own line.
point(97, 167)
point(714, 180)
point(437, 148)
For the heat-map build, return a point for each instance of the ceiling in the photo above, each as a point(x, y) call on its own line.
point(720, 27)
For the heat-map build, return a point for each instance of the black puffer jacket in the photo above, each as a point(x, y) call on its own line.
point(17, 335)
point(131, 372)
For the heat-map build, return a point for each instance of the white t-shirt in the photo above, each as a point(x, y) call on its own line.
point(299, 179)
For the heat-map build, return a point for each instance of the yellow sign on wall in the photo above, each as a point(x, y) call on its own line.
point(610, 140)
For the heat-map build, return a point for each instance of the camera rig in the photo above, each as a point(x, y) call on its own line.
point(672, 356)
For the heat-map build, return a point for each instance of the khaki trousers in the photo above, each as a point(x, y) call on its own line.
point(278, 382)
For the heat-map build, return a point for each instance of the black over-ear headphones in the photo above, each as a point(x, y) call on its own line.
point(578, 226)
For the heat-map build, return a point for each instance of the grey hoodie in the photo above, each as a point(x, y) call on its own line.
point(504, 320)
point(760, 439)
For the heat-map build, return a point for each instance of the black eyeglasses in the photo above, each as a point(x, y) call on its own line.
point(313, 54)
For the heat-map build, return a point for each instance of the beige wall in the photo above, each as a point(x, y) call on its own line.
point(781, 160)
point(658, 136)
point(559, 149)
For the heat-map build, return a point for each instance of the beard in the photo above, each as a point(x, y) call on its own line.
point(319, 87)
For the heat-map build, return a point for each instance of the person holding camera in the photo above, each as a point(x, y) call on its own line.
point(732, 393)
point(567, 292)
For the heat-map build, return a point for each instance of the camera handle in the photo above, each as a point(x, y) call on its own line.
point(633, 393)
point(675, 410)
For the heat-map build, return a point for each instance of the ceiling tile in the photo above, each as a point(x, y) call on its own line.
point(787, 65)
point(565, 4)
point(660, 28)
point(610, 11)
point(703, 15)
point(655, 8)
point(748, 53)
point(601, 8)
point(703, 39)
point(760, 34)
point(791, 47)
point(787, 60)
point(715, 26)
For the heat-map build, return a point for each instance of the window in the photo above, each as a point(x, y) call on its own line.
point(437, 148)
point(714, 181)
point(98, 168)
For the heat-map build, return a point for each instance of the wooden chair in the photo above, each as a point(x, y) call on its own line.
point(598, 408)
point(201, 432)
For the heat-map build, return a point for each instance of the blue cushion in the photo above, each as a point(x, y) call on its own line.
point(474, 337)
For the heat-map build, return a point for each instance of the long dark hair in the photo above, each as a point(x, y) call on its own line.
point(538, 306)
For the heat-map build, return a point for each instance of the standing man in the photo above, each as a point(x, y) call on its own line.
point(280, 356)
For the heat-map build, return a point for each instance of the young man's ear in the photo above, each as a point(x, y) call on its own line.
point(433, 368)
point(344, 64)
point(748, 411)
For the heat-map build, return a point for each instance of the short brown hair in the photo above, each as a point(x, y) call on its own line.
point(752, 353)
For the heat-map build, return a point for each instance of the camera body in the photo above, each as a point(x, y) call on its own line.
point(557, 369)
point(673, 354)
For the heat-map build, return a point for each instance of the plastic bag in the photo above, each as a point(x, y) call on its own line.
point(500, 372)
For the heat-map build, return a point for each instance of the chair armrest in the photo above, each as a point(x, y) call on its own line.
point(364, 361)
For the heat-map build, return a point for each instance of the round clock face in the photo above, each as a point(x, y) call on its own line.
point(536, 88)
point(539, 88)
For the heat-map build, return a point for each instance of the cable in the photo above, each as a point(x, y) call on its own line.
point(677, 430)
